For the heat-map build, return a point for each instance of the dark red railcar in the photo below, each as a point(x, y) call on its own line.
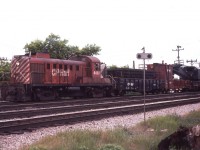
point(164, 72)
point(40, 77)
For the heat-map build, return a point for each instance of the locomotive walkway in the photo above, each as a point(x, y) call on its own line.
point(17, 120)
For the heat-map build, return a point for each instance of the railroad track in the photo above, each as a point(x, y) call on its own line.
point(65, 107)
point(8, 106)
point(77, 113)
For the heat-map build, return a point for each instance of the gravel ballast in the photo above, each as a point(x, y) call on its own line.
point(15, 141)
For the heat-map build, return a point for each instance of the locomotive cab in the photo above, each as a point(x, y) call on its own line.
point(92, 70)
point(93, 82)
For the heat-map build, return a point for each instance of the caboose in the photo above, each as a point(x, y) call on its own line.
point(39, 77)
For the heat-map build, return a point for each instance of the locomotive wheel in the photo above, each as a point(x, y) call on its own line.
point(107, 92)
point(4, 91)
point(56, 95)
point(122, 93)
point(95, 92)
point(39, 95)
point(91, 94)
point(34, 96)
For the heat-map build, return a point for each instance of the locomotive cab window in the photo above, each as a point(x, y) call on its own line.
point(48, 66)
point(71, 67)
point(60, 66)
point(65, 67)
point(77, 67)
point(97, 66)
point(54, 66)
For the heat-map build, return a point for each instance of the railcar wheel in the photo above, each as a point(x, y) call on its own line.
point(122, 93)
point(90, 94)
point(34, 96)
point(4, 91)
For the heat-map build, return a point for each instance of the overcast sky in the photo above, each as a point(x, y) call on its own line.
point(120, 27)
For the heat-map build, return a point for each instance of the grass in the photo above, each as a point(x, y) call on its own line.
point(144, 136)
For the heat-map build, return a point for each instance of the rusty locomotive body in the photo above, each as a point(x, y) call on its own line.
point(40, 77)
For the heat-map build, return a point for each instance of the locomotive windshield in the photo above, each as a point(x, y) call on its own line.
point(97, 66)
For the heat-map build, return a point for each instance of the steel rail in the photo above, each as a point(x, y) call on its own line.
point(68, 118)
point(68, 108)
point(44, 104)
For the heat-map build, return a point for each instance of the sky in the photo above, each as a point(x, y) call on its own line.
point(120, 27)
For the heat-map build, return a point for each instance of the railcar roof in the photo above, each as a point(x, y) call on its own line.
point(48, 60)
point(74, 60)
point(55, 61)
point(81, 58)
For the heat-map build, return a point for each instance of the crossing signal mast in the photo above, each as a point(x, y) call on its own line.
point(178, 50)
point(144, 56)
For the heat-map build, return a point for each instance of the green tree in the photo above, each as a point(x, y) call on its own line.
point(4, 65)
point(4, 69)
point(55, 46)
point(34, 46)
point(113, 67)
point(126, 66)
point(60, 49)
point(90, 49)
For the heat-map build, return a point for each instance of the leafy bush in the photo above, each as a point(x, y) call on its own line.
point(169, 122)
point(144, 136)
point(111, 147)
point(193, 118)
point(37, 148)
point(83, 148)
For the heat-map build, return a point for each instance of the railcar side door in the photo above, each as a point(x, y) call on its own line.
point(63, 73)
point(79, 74)
point(55, 73)
point(37, 73)
point(48, 73)
point(88, 70)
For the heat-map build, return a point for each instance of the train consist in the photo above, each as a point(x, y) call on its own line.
point(39, 77)
point(159, 78)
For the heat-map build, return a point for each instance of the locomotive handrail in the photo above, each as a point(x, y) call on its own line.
point(112, 80)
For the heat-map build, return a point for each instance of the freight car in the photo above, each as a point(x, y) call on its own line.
point(159, 78)
point(39, 77)
point(131, 80)
point(189, 77)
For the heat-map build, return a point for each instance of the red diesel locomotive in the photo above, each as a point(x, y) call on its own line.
point(40, 77)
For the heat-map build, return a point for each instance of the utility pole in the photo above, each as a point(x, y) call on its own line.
point(191, 61)
point(178, 49)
